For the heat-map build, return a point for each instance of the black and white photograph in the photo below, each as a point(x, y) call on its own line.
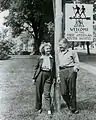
point(47, 59)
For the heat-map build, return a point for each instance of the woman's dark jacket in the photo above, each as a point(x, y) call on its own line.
point(39, 66)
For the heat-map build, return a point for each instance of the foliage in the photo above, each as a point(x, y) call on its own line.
point(29, 15)
point(87, 1)
point(5, 49)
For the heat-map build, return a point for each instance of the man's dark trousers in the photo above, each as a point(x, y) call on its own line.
point(68, 87)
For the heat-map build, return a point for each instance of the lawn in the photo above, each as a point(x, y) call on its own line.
point(89, 59)
point(17, 93)
point(86, 100)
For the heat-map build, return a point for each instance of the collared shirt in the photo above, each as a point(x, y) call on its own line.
point(68, 57)
point(46, 65)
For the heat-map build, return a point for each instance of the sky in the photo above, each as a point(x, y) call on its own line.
point(2, 15)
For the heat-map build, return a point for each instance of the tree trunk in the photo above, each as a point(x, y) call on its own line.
point(37, 45)
point(88, 50)
point(73, 45)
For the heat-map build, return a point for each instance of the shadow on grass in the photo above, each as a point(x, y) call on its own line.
point(84, 57)
point(87, 105)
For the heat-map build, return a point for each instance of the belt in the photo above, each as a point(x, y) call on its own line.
point(46, 70)
point(64, 67)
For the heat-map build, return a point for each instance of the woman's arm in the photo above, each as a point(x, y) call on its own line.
point(36, 67)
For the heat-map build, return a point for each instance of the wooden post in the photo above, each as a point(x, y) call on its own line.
point(75, 2)
point(58, 35)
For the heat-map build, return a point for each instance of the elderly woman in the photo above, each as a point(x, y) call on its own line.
point(43, 76)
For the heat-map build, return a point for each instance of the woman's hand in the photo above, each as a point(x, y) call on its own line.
point(34, 82)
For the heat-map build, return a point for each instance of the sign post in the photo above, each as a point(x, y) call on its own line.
point(58, 35)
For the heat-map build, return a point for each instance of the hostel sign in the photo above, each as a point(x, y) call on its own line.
point(79, 22)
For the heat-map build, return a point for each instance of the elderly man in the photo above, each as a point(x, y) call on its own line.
point(68, 65)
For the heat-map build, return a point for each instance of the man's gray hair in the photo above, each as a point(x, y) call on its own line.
point(64, 40)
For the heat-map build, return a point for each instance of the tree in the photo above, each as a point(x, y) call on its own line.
point(89, 1)
point(5, 49)
point(29, 15)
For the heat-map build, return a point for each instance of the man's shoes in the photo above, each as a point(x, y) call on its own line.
point(75, 111)
point(49, 112)
point(70, 112)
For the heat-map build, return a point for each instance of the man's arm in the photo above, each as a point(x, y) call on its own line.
point(76, 60)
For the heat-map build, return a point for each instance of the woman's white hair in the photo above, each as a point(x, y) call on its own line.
point(41, 48)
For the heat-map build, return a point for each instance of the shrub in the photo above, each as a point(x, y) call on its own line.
point(5, 49)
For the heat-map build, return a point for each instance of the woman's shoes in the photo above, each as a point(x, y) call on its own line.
point(49, 112)
point(38, 111)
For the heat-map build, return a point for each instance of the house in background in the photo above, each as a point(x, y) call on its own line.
point(24, 44)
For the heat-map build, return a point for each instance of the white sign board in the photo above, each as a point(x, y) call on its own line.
point(79, 22)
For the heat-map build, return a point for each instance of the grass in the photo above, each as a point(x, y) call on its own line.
point(17, 94)
point(86, 100)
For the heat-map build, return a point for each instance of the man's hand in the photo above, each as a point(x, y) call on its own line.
point(76, 69)
point(58, 80)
